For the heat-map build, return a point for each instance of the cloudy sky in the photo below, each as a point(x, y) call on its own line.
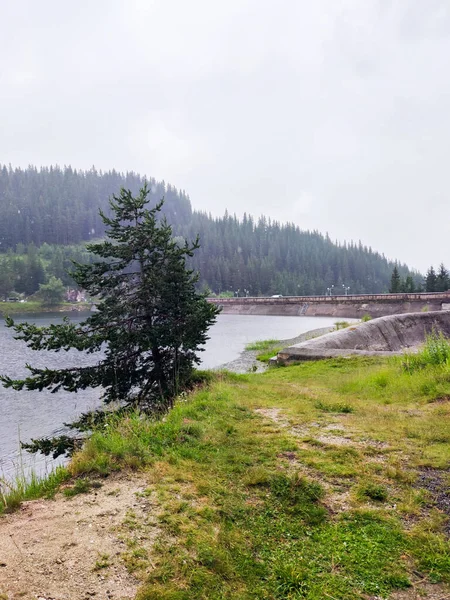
point(334, 114)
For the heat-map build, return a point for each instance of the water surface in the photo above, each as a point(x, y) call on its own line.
point(25, 415)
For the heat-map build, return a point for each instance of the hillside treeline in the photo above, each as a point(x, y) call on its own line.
point(61, 206)
point(46, 212)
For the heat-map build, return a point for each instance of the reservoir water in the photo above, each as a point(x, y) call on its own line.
point(25, 415)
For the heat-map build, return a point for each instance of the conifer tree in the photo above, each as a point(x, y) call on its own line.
point(395, 281)
point(149, 323)
point(443, 279)
point(430, 280)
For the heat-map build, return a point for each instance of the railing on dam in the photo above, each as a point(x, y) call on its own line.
point(364, 298)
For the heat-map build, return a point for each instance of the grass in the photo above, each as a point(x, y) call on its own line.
point(266, 349)
point(103, 562)
point(13, 493)
point(266, 356)
point(33, 306)
point(261, 345)
point(248, 506)
point(435, 351)
point(298, 483)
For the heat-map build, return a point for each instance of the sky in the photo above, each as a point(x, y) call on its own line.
point(332, 114)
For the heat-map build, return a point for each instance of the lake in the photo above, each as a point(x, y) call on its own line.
point(25, 415)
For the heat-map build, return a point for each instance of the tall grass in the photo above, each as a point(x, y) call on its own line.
point(435, 352)
point(13, 493)
point(262, 345)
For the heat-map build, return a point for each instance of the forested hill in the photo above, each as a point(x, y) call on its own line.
point(61, 206)
point(265, 257)
point(54, 206)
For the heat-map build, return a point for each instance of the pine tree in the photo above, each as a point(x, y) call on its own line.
point(395, 281)
point(150, 320)
point(443, 279)
point(430, 280)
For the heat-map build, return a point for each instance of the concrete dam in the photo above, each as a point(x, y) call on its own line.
point(352, 306)
point(384, 336)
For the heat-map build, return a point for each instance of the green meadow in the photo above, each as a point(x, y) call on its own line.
point(322, 480)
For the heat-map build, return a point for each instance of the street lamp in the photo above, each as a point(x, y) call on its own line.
point(345, 289)
point(330, 290)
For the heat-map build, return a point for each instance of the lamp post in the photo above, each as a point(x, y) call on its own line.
point(330, 290)
point(345, 289)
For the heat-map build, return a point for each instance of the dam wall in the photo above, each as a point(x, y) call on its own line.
point(383, 336)
point(352, 306)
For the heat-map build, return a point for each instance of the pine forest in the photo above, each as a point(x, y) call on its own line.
point(48, 215)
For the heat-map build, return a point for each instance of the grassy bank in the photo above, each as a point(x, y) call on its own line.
point(13, 308)
point(322, 480)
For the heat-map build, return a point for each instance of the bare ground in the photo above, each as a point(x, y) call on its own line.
point(77, 548)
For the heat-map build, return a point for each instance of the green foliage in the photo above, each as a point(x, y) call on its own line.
point(403, 285)
point(443, 279)
point(395, 281)
point(81, 486)
point(55, 446)
point(373, 491)
point(366, 318)
point(433, 553)
point(435, 352)
point(52, 293)
point(150, 321)
point(261, 345)
point(334, 407)
point(437, 282)
point(266, 356)
point(341, 325)
point(266, 349)
point(103, 562)
point(59, 210)
point(430, 280)
point(237, 522)
point(12, 494)
point(251, 506)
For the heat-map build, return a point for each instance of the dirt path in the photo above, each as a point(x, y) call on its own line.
point(78, 548)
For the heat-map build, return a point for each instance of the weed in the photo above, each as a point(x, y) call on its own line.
point(341, 325)
point(373, 491)
point(136, 559)
point(366, 318)
point(81, 486)
point(436, 352)
point(334, 407)
point(102, 562)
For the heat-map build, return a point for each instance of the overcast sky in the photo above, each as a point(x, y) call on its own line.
point(332, 114)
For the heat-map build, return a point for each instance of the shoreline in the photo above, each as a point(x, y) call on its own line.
point(246, 362)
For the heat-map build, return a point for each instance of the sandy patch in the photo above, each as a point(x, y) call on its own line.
point(274, 414)
point(72, 549)
point(422, 591)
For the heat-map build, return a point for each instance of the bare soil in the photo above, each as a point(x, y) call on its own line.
point(74, 548)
